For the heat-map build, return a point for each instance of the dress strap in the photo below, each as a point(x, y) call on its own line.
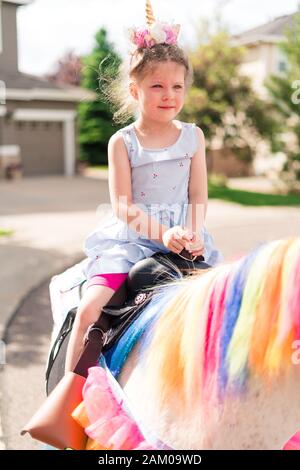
point(129, 140)
point(194, 137)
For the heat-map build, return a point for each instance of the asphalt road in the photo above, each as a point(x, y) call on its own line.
point(22, 378)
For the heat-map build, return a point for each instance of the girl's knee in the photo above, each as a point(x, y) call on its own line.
point(86, 316)
point(92, 302)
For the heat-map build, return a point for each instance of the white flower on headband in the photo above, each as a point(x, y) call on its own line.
point(158, 33)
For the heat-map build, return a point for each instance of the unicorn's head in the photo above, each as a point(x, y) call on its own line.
point(219, 367)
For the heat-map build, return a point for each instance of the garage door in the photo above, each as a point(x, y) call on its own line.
point(41, 146)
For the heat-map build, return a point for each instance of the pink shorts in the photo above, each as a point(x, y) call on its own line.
point(112, 280)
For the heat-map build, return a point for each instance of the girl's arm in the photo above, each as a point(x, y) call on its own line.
point(197, 188)
point(120, 189)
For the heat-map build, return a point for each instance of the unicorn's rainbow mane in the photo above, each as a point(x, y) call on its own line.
point(206, 335)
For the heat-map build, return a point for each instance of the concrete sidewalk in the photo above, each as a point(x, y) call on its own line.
point(257, 184)
point(51, 217)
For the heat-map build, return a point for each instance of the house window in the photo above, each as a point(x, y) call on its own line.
point(281, 66)
point(2, 92)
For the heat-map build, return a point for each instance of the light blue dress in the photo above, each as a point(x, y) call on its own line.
point(160, 180)
point(160, 187)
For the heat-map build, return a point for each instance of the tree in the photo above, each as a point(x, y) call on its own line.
point(95, 117)
point(68, 70)
point(222, 102)
point(285, 92)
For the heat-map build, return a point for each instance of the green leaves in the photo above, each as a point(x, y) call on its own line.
point(95, 118)
point(221, 100)
point(283, 91)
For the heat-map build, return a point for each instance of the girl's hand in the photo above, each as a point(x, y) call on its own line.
point(195, 246)
point(175, 239)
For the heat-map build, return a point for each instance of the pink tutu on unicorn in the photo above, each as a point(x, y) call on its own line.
point(105, 421)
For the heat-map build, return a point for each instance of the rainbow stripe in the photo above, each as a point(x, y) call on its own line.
point(225, 325)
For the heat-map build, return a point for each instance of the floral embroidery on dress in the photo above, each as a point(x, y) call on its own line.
point(180, 164)
point(142, 193)
point(155, 175)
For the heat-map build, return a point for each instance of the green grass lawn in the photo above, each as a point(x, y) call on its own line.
point(99, 167)
point(5, 232)
point(249, 198)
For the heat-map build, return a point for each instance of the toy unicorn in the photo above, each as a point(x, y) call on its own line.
point(213, 362)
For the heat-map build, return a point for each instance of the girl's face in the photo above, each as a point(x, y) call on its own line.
point(160, 94)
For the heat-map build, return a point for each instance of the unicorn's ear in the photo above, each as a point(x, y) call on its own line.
point(176, 29)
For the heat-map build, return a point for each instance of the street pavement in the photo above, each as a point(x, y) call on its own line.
point(50, 218)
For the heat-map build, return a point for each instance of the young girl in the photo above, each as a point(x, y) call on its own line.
point(157, 178)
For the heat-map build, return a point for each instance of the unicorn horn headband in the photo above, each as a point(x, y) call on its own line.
point(149, 14)
point(155, 32)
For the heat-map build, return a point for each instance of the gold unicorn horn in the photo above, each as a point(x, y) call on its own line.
point(149, 13)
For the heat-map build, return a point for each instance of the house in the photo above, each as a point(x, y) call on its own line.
point(263, 58)
point(37, 117)
point(263, 55)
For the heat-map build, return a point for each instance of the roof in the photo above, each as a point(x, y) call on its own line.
point(273, 31)
point(20, 2)
point(24, 80)
point(21, 85)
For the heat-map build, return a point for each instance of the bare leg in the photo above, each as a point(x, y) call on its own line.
point(94, 298)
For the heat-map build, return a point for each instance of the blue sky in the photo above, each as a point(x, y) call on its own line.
point(49, 28)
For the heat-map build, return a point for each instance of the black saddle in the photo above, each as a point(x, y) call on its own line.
point(157, 269)
point(123, 308)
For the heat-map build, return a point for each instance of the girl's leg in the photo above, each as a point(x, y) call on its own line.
point(92, 302)
point(99, 291)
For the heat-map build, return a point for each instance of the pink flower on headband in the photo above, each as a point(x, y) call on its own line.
point(141, 37)
point(172, 35)
point(157, 33)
